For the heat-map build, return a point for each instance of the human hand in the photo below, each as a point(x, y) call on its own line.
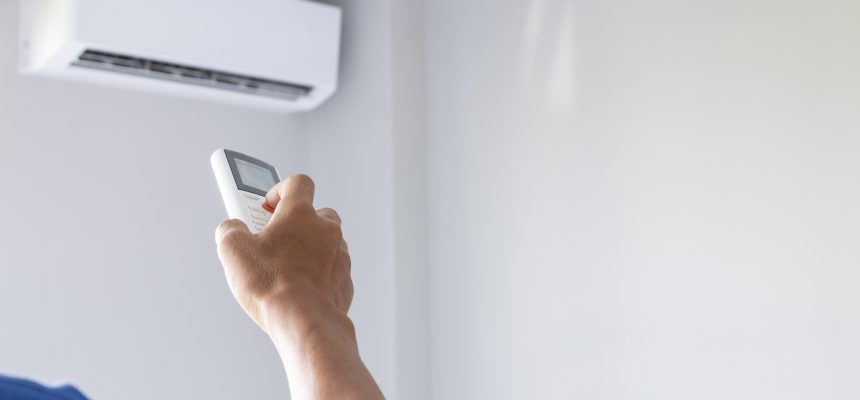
point(293, 280)
point(298, 265)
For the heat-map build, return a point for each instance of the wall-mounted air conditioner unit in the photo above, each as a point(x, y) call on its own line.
point(273, 54)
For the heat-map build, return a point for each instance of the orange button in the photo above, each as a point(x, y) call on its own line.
point(268, 208)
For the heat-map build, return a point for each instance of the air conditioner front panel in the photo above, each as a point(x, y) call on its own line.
point(290, 42)
point(258, 37)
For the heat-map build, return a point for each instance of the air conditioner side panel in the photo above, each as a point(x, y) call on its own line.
point(46, 27)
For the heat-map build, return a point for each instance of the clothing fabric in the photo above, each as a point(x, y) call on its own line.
point(23, 389)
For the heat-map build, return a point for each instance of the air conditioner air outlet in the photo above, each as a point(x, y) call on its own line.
point(125, 64)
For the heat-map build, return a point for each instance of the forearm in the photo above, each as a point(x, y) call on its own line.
point(318, 348)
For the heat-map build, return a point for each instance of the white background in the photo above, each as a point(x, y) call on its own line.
point(644, 200)
point(544, 199)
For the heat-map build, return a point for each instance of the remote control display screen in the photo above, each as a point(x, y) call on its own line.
point(255, 176)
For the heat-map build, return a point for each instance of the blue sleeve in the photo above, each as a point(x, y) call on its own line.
point(22, 389)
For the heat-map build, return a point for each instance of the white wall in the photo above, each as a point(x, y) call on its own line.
point(408, 122)
point(644, 200)
point(349, 157)
point(366, 156)
point(109, 276)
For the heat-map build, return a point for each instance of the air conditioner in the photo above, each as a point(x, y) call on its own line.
point(271, 54)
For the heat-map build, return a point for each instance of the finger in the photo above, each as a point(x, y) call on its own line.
point(346, 257)
point(329, 214)
point(297, 190)
point(347, 292)
point(347, 289)
point(233, 236)
point(273, 197)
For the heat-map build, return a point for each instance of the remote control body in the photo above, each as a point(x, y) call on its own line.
point(244, 181)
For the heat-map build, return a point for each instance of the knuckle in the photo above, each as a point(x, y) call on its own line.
point(230, 239)
point(301, 179)
point(224, 226)
point(346, 262)
point(329, 213)
point(333, 232)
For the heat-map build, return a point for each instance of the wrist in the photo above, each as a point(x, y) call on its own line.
point(317, 345)
point(298, 316)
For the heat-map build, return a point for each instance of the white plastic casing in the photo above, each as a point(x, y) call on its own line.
point(244, 205)
point(294, 41)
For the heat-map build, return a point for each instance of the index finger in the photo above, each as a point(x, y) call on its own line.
point(295, 191)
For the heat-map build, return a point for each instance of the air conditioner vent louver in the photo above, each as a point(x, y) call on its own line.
point(190, 75)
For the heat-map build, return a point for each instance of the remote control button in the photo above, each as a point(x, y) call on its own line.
point(252, 197)
point(267, 207)
point(260, 215)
